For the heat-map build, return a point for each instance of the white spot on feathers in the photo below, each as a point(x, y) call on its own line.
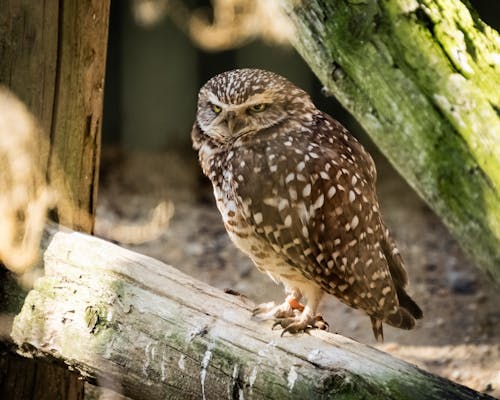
point(319, 202)
point(307, 190)
point(282, 204)
point(324, 175)
point(271, 201)
point(258, 218)
point(305, 231)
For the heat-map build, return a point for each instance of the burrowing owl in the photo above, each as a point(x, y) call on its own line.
point(297, 194)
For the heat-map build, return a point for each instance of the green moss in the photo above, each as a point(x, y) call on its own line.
point(95, 318)
point(30, 322)
point(46, 285)
point(423, 84)
point(12, 295)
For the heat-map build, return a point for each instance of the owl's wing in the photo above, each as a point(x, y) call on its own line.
point(314, 202)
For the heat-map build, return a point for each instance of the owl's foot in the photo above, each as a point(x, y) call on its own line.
point(301, 323)
point(266, 311)
point(288, 309)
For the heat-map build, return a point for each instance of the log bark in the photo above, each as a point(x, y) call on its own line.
point(422, 78)
point(142, 327)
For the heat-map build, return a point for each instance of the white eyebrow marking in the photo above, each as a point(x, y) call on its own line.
point(259, 98)
point(254, 99)
point(214, 100)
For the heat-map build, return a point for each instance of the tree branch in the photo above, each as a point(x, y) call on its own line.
point(422, 78)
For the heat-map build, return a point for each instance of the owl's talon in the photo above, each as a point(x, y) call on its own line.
point(320, 323)
point(263, 308)
point(294, 330)
point(278, 322)
point(270, 310)
point(301, 324)
point(283, 322)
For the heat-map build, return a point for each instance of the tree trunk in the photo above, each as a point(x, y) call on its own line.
point(136, 324)
point(422, 77)
point(52, 55)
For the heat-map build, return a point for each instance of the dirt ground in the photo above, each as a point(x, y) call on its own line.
point(459, 337)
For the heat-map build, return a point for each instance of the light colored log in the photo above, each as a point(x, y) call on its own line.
point(138, 325)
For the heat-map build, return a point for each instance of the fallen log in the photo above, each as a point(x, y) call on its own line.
point(142, 327)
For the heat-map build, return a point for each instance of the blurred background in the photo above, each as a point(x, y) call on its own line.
point(161, 52)
point(154, 199)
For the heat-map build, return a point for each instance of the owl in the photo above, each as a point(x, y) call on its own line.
point(297, 194)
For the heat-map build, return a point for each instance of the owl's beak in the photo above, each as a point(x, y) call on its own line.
point(234, 122)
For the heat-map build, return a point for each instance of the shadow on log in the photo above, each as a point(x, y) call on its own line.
point(147, 330)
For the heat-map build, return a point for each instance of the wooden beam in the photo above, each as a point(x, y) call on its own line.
point(52, 56)
point(75, 135)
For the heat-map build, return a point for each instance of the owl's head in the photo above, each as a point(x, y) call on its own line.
point(248, 101)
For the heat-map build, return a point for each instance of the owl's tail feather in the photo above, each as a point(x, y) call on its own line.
point(407, 303)
point(403, 318)
point(400, 319)
point(378, 330)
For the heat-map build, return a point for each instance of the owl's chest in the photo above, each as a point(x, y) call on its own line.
point(234, 207)
point(243, 183)
point(240, 226)
point(234, 212)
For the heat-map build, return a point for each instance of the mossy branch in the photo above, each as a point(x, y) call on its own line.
point(422, 78)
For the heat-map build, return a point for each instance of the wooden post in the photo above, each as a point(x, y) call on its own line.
point(422, 78)
point(52, 55)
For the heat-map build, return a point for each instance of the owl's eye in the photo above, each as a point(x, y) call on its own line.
point(256, 108)
point(215, 108)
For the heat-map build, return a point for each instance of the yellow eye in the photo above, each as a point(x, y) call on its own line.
point(258, 107)
point(215, 108)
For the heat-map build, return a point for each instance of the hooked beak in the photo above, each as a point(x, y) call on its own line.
point(234, 123)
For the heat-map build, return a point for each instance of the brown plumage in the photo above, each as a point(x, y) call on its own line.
point(297, 194)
